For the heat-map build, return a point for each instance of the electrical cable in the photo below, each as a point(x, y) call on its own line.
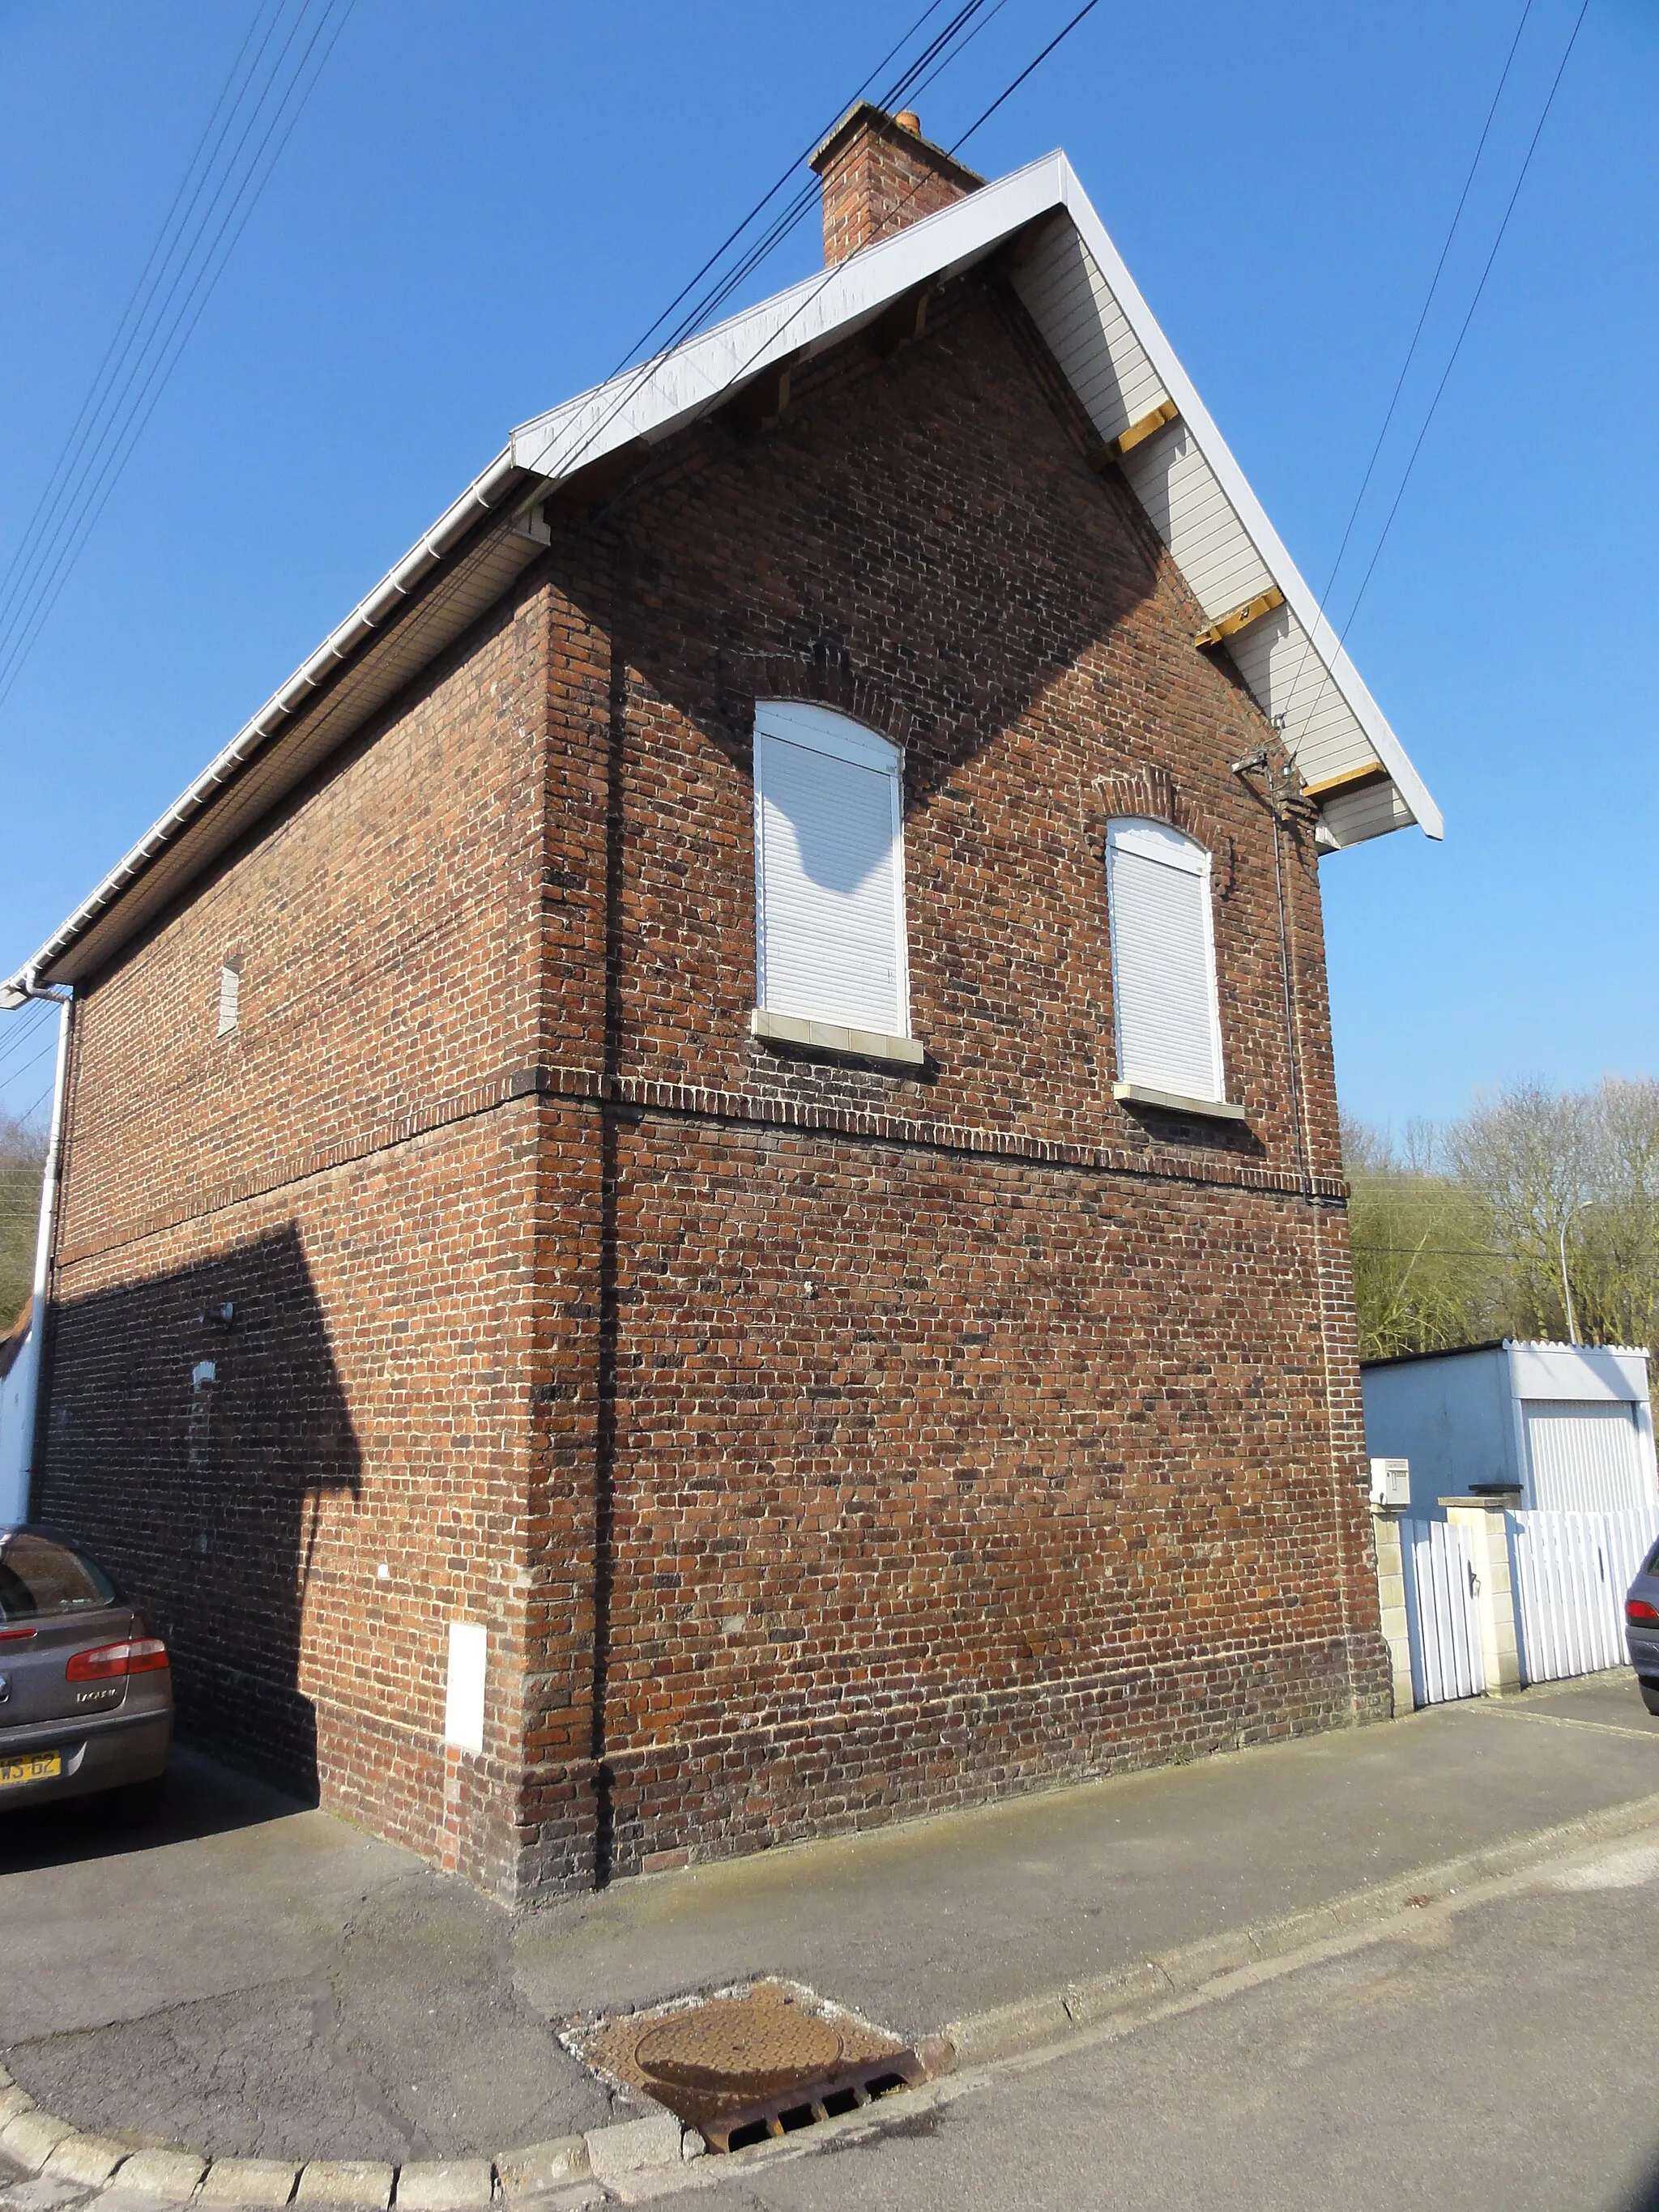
point(80, 428)
point(732, 236)
point(938, 51)
point(23, 1067)
point(1464, 330)
point(29, 1030)
point(126, 422)
point(177, 338)
point(1457, 347)
point(565, 464)
point(1411, 350)
point(161, 257)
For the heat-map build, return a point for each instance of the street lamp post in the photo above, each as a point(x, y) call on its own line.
point(1566, 1286)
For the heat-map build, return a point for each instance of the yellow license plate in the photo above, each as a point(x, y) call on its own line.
point(40, 1766)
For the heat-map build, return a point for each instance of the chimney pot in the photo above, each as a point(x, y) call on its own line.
point(880, 174)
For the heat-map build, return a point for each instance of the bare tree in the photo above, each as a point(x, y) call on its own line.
point(1423, 1280)
point(1548, 1171)
point(22, 1156)
point(1526, 1158)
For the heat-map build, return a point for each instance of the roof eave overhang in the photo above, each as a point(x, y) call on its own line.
point(383, 642)
point(392, 632)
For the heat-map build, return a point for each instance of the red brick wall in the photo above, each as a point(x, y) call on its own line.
point(351, 1171)
point(817, 1443)
point(879, 176)
point(1058, 1465)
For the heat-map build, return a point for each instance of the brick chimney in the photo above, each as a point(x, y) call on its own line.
point(880, 173)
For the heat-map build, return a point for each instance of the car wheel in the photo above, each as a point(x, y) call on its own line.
point(1649, 1695)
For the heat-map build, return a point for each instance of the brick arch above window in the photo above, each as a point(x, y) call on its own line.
point(1149, 793)
point(826, 677)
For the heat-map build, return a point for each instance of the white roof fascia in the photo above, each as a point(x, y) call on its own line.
point(1325, 644)
point(366, 618)
point(656, 398)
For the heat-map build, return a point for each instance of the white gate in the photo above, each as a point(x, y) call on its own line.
point(1571, 1572)
point(1440, 1615)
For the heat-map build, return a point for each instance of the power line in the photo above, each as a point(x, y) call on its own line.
point(566, 463)
point(939, 52)
point(25, 1067)
point(29, 1029)
point(1088, 8)
point(1457, 348)
point(766, 199)
point(1411, 350)
point(80, 428)
point(149, 353)
point(1463, 332)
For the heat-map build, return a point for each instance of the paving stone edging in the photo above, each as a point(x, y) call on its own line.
point(575, 2169)
point(1006, 2031)
point(51, 2149)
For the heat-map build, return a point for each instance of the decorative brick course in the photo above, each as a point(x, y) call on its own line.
point(816, 1443)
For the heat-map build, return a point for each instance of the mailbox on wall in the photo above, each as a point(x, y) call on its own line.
point(1391, 1485)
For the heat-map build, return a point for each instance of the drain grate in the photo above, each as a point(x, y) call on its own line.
point(745, 2063)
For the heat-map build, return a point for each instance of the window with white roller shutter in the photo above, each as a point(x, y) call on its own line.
point(1168, 1029)
point(829, 870)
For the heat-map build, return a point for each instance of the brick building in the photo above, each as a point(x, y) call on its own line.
point(699, 1197)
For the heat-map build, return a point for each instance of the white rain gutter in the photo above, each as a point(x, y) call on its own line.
point(20, 1391)
point(368, 616)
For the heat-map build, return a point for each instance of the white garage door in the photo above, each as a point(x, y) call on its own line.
point(1584, 1458)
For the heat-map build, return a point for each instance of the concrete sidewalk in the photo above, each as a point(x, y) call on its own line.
point(253, 1978)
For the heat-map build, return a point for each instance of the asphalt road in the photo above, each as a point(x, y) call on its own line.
point(1495, 2059)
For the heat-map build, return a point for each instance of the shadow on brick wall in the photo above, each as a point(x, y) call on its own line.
point(197, 1420)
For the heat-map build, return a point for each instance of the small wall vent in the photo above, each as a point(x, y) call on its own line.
point(230, 996)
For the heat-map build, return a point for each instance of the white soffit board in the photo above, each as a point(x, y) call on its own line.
point(1099, 329)
point(391, 659)
point(1121, 367)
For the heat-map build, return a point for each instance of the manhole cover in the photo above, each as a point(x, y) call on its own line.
point(745, 2063)
point(738, 2047)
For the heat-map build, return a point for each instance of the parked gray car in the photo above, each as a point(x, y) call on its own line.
point(1641, 1630)
point(85, 1693)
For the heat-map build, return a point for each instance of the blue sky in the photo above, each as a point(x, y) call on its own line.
point(484, 204)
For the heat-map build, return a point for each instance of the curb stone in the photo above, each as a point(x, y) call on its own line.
point(562, 2171)
point(629, 2146)
point(541, 2166)
point(264, 2182)
point(169, 2173)
point(445, 2185)
point(88, 2160)
point(359, 2182)
point(1004, 2031)
point(31, 2137)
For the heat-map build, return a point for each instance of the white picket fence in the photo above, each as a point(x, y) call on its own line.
point(1570, 1571)
point(1440, 1615)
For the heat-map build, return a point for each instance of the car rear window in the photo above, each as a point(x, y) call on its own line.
point(1652, 1566)
point(40, 1576)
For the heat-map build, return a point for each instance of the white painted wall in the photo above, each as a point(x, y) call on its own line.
point(1460, 1418)
point(1449, 1417)
point(20, 1391)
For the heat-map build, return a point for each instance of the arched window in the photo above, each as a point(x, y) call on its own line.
point(1168, 1029)
point(828, 870)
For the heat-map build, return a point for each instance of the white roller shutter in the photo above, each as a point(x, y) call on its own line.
point(828, 864)
point(1584, 1457)
point(1168, 1033)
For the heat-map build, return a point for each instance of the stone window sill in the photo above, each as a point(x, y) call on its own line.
point(1172, 1101)
point(829, 1041)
